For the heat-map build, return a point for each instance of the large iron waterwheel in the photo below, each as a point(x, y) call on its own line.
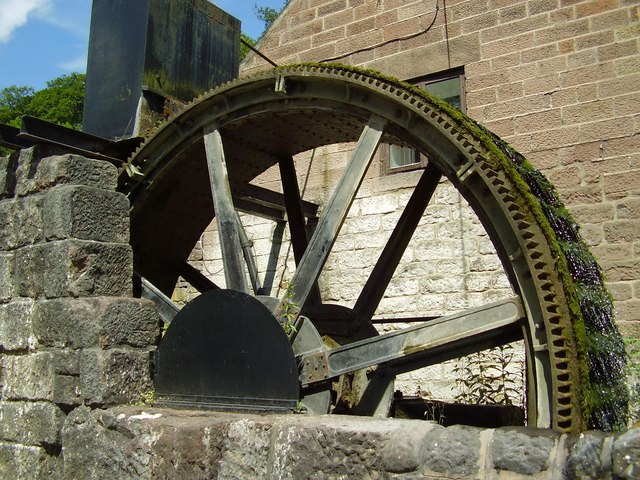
point(225, 139)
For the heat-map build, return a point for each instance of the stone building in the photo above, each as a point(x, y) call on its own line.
point(557, 79)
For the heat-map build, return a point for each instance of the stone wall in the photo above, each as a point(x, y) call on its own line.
point(134, 443)
point(70, 332)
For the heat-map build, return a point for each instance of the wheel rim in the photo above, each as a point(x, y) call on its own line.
point(275, 115)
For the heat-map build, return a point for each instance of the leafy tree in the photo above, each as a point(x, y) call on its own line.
point(13, 101)
point(268, 15)
point(60, 102)
point(244, 50)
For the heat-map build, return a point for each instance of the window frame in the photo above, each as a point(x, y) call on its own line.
point(421, 82)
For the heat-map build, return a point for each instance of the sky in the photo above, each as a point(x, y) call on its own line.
point(44, 39)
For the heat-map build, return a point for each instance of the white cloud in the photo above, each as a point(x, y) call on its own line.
point(78, 64)
point(15, 13)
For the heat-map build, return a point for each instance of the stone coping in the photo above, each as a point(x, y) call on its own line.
point(136, 442)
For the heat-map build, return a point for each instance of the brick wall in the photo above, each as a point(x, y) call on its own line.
point(558, 79)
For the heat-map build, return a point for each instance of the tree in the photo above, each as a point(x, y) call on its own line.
point(60, 102)
point(244, 50)
point(268, 15)
point(13, 101)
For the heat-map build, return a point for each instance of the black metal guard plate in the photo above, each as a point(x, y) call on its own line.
point(226, 351)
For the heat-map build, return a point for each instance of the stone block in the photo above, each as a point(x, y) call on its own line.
point(522, 452)
point(8, 166)
point(7, 261)
point(20, 222)
point(73, 268)
point(67, 361)
point(29, 271)
point(246, 450)
point(29, 377)
point(129, 322)
point(151, 444)
point(16, 333)
point(42, 376)
point(31, 423)
point(27, 164)
point(115, 376)
point(96, 322)
point(20, 462)
point(626, 455)
point(348, 449)
point(89, 452)
point(453, 451)
point(86, 213)
point(66, 390)
point(584, 456)
point(401, 452)
point(64, 322)
point(619, 231)
point(42, 167)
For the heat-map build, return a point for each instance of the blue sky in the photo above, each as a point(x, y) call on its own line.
point(43, 39)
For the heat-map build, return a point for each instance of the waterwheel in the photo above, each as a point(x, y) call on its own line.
point(208, 155)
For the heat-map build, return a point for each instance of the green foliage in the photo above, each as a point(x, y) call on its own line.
point(146, 399)
point(288, 311)
point(486, 378)
point(13, 101)
point(268, 15)
point(244, 50)
point(633, 377)
point(61, 102)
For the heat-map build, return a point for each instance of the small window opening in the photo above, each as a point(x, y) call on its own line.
point(448, 86)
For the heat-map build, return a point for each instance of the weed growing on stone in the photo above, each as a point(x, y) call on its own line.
point(146, 399)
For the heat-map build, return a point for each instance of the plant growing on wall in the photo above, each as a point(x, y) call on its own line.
point(489, 378)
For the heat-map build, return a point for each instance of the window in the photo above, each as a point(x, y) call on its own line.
point(449, 86)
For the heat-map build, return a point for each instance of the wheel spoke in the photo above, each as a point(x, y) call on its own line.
point(226, 217)
point(293, 204)
point(247, 252)
point(336, 211)
point(295, 217)
point(379, 279)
